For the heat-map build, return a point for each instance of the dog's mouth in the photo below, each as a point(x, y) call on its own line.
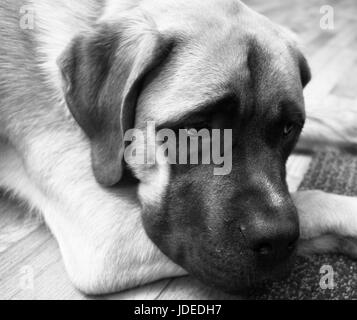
point(244, 282)
point(235, 273)
point(245, 278)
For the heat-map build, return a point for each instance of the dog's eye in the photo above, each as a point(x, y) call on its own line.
point(288, 129)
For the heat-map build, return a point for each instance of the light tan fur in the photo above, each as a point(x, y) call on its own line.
point(45, 157)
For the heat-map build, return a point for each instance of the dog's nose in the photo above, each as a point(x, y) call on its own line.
point(272, 242)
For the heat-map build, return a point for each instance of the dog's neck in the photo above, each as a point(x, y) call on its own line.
point(56, 24)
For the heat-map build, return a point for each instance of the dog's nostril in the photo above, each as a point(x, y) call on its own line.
point(264, 249)
point(292, 245)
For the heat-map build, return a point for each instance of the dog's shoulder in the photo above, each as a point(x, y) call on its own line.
point(57, 23)
point(17, 58)
point(33, 34)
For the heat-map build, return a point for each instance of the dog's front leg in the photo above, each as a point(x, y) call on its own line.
point(330, 123)
point(328, 223)
point(99, 231)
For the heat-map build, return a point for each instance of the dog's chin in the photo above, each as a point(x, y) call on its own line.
point(240, 277)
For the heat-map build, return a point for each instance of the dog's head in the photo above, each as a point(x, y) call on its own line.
point(215, 65)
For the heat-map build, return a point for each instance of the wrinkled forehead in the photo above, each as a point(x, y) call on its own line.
point(194, 80)
point(239, 55)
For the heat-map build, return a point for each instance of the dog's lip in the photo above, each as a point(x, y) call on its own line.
point(243, 282)
point(247, 276)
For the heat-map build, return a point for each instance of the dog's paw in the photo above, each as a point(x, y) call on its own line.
point(323, 213)
point(313, 208)
point(329, 243)
point(348, 246)
point(331, 122)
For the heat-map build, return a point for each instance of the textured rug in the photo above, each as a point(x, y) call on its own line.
point(333, 172)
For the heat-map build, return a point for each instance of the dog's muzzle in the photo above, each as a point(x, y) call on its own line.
point(227, 236)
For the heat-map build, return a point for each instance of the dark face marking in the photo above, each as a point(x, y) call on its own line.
point(102, 80)
point(235, 231)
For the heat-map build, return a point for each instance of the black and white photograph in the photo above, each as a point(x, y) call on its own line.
point(178, 150)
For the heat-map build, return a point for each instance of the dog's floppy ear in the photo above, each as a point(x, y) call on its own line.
point(293, 39)
point(102, 74)
point(305, 71)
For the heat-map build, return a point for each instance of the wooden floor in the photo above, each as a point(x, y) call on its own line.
point(28, 251)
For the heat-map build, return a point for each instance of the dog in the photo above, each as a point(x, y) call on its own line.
point(88, 71)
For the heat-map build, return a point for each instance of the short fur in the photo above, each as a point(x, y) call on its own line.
point(48, 151)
